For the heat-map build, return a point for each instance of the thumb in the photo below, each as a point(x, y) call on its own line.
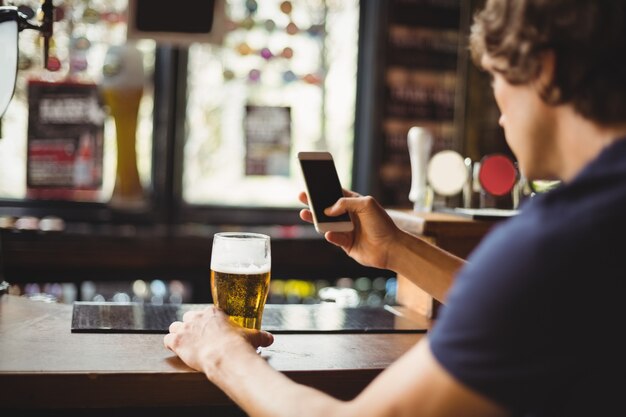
point(340, 207)
point(259, 338)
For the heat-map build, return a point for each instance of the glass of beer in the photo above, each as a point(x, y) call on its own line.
point(240, 275)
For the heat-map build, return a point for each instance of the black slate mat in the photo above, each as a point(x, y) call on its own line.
point(107, 317)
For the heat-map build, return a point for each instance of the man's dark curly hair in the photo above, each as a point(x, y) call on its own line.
point(588, 38)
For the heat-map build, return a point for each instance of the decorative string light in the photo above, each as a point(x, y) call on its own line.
point(272, 54)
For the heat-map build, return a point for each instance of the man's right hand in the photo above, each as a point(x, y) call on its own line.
point(374, 231)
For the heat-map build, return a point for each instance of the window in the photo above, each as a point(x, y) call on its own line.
point(293, 63)
point(283, 81)
point(204, 151)
point(82, 35)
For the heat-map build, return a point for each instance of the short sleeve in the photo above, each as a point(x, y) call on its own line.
point(501, 331)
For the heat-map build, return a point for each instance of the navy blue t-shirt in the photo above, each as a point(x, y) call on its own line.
point(534, 319)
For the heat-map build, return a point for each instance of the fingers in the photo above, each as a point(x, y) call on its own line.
point(265, 339)
point(184, 334)
point(350, 193)
point(339, 208)
point(259, 338)
point(170, 341)
point(303, 198)
point(305, 214)
point(190, 315)
point(210, 311)
point(351, 204)
point(341, 239)
point(175, 327)
point(347, 193)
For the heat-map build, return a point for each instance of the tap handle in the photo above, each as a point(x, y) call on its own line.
point(46, 29)
point(420, 142)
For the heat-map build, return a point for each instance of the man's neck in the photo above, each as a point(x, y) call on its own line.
point(581, 141)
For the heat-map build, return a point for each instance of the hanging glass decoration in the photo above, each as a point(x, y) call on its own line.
point(78, 54)
point(24, 62)
point(311, 79)
point(228, 75)
point(244, 49)
point(254, 75)
point(292, 29)
point(266, 54)
point(286, 7)
point(59, 12)
point(316, 30)
point(247, 23)
point(91, 15)
point(252, 6)
point(269, 25)
point(54, 63)
point(289, 76)
point(287, 53)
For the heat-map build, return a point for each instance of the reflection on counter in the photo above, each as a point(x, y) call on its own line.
point(346, 292)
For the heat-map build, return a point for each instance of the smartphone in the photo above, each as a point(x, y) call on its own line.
point(323, 190)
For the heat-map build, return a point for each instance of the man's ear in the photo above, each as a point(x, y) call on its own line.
point(545, 77)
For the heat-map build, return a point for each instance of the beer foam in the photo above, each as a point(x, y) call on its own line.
point(126, 62)
point(232, 254)
point(242, 269)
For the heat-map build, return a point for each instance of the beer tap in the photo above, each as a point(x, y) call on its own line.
point(45, 28)
point(13, 21)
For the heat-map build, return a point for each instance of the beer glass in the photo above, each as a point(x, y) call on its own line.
point(240, 276)
point(122, 90)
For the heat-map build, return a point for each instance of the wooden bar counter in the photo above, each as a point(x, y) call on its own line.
point(44, 366)
point(456, 234)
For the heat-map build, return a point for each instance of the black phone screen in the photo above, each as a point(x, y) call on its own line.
point(324, 188)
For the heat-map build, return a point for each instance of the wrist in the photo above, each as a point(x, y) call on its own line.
point(216, 361)
point(399, 244)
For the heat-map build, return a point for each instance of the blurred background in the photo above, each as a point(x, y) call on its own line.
point(219, 120)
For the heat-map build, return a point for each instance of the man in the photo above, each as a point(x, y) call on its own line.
point(530, 324)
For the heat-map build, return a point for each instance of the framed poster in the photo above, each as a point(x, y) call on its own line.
point(65, 141)
point(268, 140)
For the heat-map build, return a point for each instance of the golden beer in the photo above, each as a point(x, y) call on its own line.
point(122, 90)
point(242, 296)
point(124, 107)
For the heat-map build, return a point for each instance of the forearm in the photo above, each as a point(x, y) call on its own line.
point(428, 266)
point(262, 391)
